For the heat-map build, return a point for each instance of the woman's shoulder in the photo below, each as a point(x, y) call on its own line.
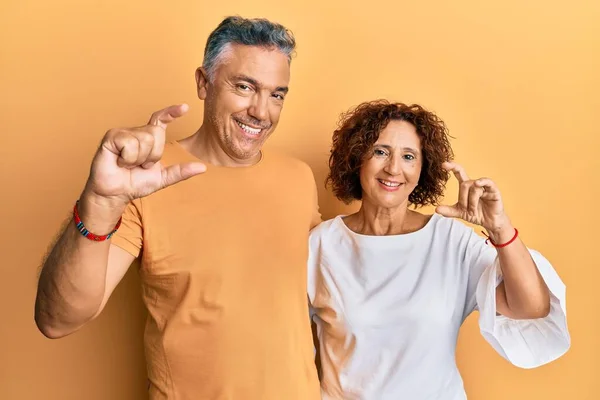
point(455, 233)
point(453, 225)
point(325, 228)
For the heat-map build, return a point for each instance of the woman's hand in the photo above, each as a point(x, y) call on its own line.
point(479, 202)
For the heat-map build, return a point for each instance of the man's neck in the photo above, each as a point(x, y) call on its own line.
point(206, 146)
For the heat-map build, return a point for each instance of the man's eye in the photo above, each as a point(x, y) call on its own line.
point(278, 96)
point(243, 87)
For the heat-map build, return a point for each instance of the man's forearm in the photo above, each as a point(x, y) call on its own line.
point(73, 278)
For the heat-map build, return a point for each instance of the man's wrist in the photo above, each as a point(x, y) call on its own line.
point(99, 214)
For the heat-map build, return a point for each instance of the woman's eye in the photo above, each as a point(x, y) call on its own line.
point(379, 152)
point(409, 157)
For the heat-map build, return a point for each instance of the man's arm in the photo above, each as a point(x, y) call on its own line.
point(79, 275)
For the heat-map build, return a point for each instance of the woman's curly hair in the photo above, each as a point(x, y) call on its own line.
point(359, 129)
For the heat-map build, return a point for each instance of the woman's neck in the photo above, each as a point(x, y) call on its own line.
point(379, 221)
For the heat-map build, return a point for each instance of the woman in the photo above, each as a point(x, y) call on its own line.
point(389, 287)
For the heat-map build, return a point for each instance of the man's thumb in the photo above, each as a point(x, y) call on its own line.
point(179, 172)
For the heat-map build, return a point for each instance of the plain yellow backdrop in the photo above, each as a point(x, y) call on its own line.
point(516, 81)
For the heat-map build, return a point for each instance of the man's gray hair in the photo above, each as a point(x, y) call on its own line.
point(250, 32)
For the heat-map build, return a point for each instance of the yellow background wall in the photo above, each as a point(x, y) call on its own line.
point(516, 81)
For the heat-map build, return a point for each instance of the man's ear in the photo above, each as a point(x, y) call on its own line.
point(201, 82)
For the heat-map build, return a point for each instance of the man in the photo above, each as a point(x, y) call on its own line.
point(223, 254)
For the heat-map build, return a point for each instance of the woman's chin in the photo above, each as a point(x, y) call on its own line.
point(386, 202)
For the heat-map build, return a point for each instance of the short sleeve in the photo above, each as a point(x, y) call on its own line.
point(316, 215)
point(314, 248)
point(524, 343)
point(313, 276)
point(130, 234)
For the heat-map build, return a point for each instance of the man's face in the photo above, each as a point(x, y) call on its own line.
point(244, 98)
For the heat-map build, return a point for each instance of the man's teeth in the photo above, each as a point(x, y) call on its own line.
point(390, 184)
point(252, 131)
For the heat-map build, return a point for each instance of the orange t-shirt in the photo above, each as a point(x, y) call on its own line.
point(223, 270)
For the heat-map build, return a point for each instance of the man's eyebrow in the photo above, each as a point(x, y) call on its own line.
point(257, 84)
point(246, 78)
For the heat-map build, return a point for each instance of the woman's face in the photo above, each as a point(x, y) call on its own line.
point(391, 171)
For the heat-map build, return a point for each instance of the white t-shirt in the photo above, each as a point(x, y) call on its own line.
point(388, 310)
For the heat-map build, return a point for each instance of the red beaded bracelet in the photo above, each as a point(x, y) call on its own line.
point(82, 229)
point(503, 244)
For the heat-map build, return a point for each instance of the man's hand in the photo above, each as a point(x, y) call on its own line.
point(127, 165)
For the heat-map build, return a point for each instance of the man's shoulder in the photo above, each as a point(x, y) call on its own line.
point(174, 153)
point(282, 160)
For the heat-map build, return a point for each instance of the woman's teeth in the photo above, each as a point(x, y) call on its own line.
point(390, 184)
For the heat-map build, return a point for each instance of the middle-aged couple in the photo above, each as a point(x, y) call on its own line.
point(232, 246)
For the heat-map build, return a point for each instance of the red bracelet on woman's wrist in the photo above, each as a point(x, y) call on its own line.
point(503, 244)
